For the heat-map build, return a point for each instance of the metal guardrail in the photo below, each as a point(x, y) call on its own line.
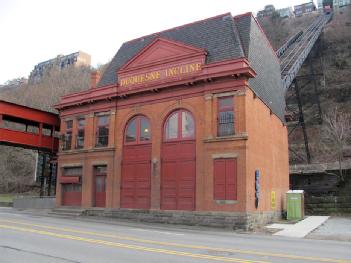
point(295, 51)
point(288, 43)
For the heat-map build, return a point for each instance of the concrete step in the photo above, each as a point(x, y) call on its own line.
point(67, 211)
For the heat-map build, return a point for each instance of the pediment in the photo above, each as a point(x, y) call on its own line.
point(162, 51)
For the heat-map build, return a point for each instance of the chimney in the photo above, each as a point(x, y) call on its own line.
point(94, 78)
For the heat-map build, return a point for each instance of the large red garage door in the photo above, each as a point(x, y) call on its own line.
point(136, 165)
point(178, 162)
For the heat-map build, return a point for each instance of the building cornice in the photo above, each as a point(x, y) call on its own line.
point(236, 69)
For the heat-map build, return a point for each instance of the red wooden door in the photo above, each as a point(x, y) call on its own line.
point(71, 194)
point(100, 174)
point(136, 165)
point(100, 190)
point(178, 163)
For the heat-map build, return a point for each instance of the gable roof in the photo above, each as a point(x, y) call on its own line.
point(161, 47)
point(215, 35)
point(222, 37)
point(267, 84)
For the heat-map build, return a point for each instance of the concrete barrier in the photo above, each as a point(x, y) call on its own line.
point(5, 204)
point(25, 202)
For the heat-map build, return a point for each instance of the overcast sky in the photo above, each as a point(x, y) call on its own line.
point(33, 31)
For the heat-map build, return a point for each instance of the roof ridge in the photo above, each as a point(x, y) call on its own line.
point(241, 15)
point(266, 37)
point(185, 25)
point(236, 35)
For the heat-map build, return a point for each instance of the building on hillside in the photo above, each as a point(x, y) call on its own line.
point(15, 82)
point(267, 11)
point(341, 3)
point(189, 119)
point(305, 8)
point(61, 61)
point(319, 4)
point(285, 12)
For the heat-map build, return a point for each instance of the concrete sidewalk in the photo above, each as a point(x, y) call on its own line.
point(300, 229)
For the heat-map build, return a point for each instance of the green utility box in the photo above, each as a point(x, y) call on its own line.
point(295, 204)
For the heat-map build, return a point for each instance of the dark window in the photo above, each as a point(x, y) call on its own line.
point(100, 173)
point(172, 127)
point(71, 188)
point(225, 179)
point(80, 134)
point(180, 125)
point(145, 133)
point(131, 131)
point(100, 184)
point(102, 131)
point(225, 116)
point(72, 171)
point(67, 142)
point(138, 130)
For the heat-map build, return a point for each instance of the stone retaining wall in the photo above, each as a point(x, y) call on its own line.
point(237, 221)
point(326, 205)
point(5, 204)
point(34, 202)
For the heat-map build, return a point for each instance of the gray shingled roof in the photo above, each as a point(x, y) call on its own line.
point(267, 84)
point(223, 38)
point(215, 35)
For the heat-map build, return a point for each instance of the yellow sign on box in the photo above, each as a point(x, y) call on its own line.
point(273, 200)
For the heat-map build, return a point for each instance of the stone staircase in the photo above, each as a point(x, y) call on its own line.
point(68, 211)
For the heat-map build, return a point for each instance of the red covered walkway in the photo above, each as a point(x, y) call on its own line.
point(29, 128)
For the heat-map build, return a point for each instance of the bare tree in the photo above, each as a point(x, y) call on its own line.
point(337, 130)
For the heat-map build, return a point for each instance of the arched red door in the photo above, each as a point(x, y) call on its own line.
point(178, 162)
point(136, 164)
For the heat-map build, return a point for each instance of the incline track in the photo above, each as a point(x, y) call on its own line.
point(294, 52)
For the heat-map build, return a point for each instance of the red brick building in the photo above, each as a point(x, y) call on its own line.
point(187, 119)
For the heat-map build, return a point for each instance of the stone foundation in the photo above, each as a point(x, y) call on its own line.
point(236, 221)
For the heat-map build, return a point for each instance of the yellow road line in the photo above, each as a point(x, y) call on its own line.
point(249, 252)
point(128, 246)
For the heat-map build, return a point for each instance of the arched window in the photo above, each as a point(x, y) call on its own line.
point(179, 125)
point(138, 130)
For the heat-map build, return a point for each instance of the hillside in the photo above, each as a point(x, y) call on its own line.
point(46, 93)
point(17, 165)
point(331, 63)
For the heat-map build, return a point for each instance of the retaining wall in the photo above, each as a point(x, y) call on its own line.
point(326, 205)
point(237, 221)
point(34, 202)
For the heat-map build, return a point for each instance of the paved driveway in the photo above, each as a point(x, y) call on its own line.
point(335, 228)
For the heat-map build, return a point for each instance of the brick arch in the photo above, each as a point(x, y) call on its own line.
point(130, 119)
point(131, 114)
point(182, 105)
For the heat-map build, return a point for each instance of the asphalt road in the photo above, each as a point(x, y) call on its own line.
point(26, 237)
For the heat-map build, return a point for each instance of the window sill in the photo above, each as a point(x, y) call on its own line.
point(84, 150)
point(236, 137)
point(226, 202)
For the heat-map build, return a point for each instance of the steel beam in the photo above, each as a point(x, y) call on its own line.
point(302, 121)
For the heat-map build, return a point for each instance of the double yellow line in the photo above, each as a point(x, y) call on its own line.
point(128, 246)
point(156, 250)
